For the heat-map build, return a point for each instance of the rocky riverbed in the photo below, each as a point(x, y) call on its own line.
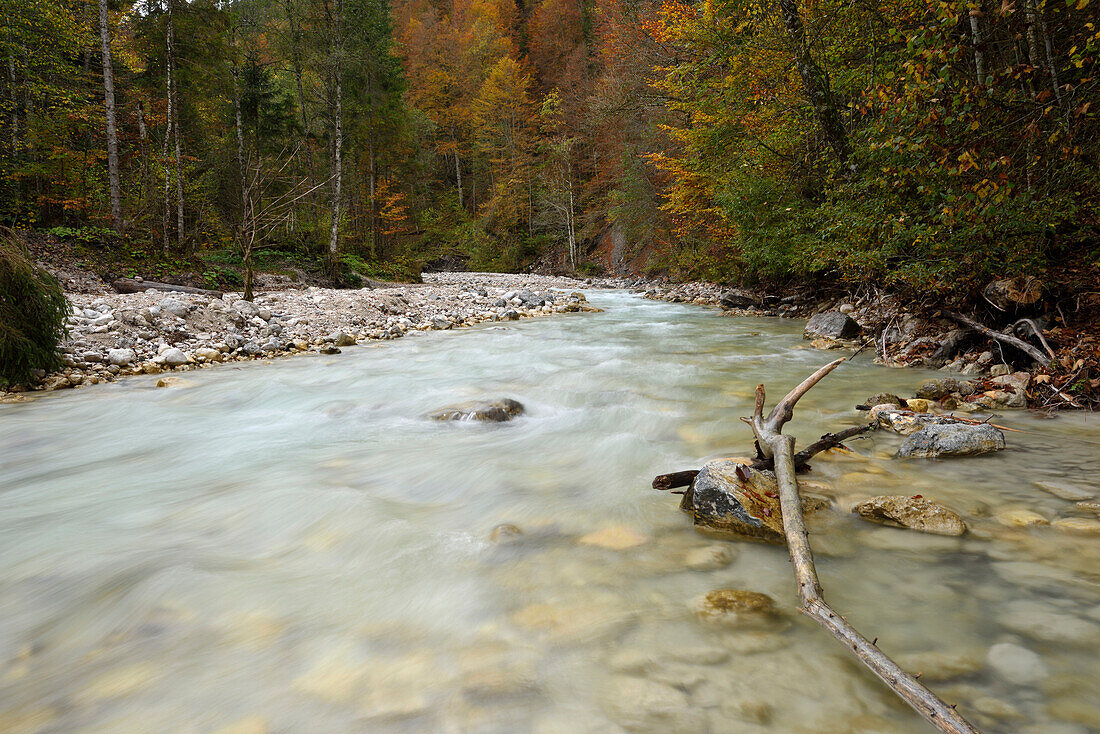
point(116, 334)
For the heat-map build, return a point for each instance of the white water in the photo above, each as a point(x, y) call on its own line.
point(291, 547)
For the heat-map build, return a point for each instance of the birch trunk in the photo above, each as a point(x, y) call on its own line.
point(173, 107)
point(109, 109)
point(338, 134)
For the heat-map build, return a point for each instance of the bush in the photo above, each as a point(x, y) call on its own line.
point(32, 315)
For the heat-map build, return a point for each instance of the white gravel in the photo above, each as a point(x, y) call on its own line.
point(114, 334)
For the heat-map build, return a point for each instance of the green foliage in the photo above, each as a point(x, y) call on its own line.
point(32, 315)
point(84, 235)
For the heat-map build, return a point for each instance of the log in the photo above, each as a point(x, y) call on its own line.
point(129, 285)
point(675, 479)
point(1023, 346)
point(780, 448)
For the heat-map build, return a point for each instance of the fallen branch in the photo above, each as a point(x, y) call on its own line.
point(129, 285)
point(1020, 344)
point(780, 448)
point(675, 479)
point(1037, 332)
point(826, 442)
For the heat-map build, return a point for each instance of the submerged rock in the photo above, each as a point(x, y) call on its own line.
point(493, 411)
point(736, 607)
point(913, 513)
point(952, 439)
point(614, 537)
point(832, 325)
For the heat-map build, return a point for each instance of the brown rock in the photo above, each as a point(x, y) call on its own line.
point(913, 513)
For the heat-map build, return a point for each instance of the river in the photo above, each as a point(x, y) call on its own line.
point(291, 547)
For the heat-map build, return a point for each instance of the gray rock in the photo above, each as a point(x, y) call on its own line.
point(832, 325)
point(92, 357)
point(510, 315)
point(494, 411)
point(882, 398)
point(952, 439)
point(121, 357)
point(175, 307)
point(1016, 664)
point(174, 357)
point(330, 349)
point(737, 299)
point(340, 339)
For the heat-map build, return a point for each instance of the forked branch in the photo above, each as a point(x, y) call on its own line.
point(781, 449)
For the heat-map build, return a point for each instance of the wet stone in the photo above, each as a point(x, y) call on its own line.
point(491, 411)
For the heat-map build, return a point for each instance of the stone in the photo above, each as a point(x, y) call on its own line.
point(614, 537)
point(1088, 506)
point(952, 439)
point(174, 357)
point(729, 496)
point(209, 354)
point(737, 299)
point(175, 307)
point(1039, 621)
point(1015, 664)
point(882, 398)
point(1078, 525)
point(330, 349)
point(121, 357)
point(919, 405)
point(341, 339)
point(906, 422)
point(933, 389)
point(911, 512)
point(736, 608)
point(493, 411)
point(639, 704)
point(504, 533)
point(1066, 490)
point(832, 325)
point(710, 558)
point(1021, 518)
point(999, 370)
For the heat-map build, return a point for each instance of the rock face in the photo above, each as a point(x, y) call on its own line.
point(832, 325)
point(493, 411)
point(732, 499)
point(914, 513)
point(952, 439)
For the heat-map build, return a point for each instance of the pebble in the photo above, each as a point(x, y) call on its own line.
point(710, 557)
point(1078, 525)
point(614, 537)
point(1021, 518)
point(1066, 491)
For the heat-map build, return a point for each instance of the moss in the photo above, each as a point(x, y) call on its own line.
point(32, 315)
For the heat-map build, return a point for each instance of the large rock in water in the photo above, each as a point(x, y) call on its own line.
point(728, 498)
point(915, 513)
point(493, 411)
point(832, 325)
point(952, 439)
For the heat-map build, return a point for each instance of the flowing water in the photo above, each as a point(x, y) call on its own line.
point(292, 547)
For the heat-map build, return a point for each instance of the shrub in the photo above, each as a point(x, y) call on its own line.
point(32, 315)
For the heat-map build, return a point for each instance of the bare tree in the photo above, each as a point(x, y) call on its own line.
point(336, 71)
point(109, 108)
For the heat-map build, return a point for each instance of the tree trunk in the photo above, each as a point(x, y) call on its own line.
point(458, 169)
point(109, 108)
point(373, 229)
point(296, 63)
point(814, 81)
point(236, 71)
point(338, 135)
point(167, 135)
point(976, 37)
point(173, 108)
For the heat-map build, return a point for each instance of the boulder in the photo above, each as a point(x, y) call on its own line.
point(832, 325)
point(913, 513)
point(494, 411)
point(905, 422)
point(121, 357)
point(729, 498)
point(882, 398)
point(952, 439)
point(174, 357)
point(937, 389)
point(340, 339)
point(737, 299)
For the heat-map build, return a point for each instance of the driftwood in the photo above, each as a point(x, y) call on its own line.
point(675, 479)
point(1020, 344)
point(780, 449)
point(129, 285)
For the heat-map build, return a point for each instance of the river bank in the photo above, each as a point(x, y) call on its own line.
point(112, 335)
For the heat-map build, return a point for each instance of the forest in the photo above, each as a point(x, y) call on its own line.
point(904, 143)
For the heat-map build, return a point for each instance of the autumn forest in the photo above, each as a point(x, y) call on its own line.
point(905, 142)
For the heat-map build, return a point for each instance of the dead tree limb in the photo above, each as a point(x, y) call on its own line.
point(674, 479)
point(128, 285)
point(1020, 344)
point(780, 448)
point(1037, 332)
